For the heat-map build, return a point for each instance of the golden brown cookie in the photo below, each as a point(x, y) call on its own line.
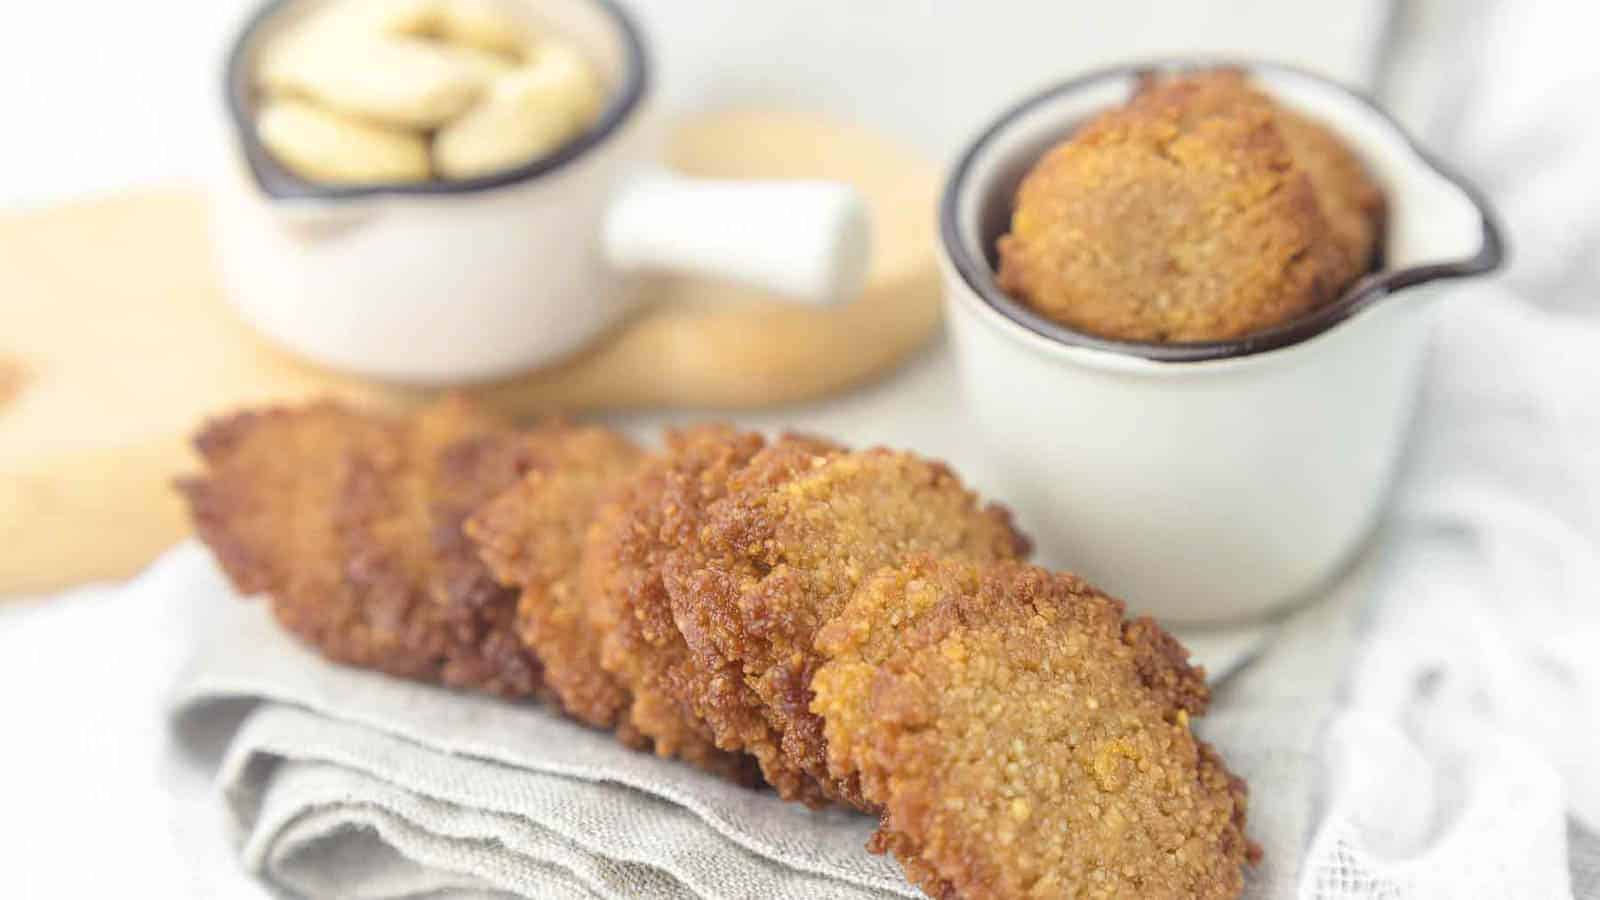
point(1351, 201)
point(1024, 740)
point(797, 532)
point(351, 523)
point(531, 536)
point(1198, 211)
point(1348, 198)
point(661, 503)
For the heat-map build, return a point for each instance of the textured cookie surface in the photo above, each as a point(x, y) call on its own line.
point(1024, 740)
point(797, 532)
point(532, 536)
point(663, 503)
point(352, 524)
point(1200, 210)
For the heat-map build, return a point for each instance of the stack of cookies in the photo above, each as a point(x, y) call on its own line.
point(848, 627)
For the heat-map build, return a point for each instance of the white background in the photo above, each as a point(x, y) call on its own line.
point(101, 94)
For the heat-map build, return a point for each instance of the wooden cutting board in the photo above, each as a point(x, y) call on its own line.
point(115, 344)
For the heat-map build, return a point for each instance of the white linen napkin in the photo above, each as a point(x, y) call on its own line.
point(340, 782)
point(1469, 729)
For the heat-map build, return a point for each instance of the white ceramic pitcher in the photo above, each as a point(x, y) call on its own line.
point(1204, 481)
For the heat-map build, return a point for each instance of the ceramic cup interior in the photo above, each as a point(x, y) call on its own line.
point(1443, 230)
point(600, 29)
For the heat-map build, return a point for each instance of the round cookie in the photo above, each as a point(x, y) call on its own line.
point(531, 537)
point(351, 523)
point(780, 555)
point(1024, 740)
point(401, 513)
point(1186, 215)
point(632, 534)
point(1351, 202)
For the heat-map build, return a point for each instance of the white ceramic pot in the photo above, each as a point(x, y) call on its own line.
point(445, 282)
point(1204, 482)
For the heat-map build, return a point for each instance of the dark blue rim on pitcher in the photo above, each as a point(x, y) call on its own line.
point(1367, 291)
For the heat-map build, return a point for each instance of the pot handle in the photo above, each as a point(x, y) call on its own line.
point(807, 241)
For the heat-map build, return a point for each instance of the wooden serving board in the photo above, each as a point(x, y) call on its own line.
point(115, 343)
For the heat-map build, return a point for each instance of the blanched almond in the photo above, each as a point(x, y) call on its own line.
point(484, 24)
point(502, 132)
point(322, 146)
point(419, 18)
point(562, 69)
point(484, 64)
point(527, 114)
point(399, 81)
point(367, 18)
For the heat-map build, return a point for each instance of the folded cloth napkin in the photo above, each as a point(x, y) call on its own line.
point(1463, 761)
point(341, 782)
point(1469, 725)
